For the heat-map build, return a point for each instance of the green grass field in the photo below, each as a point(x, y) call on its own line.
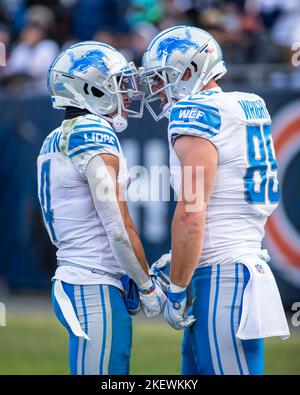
point(37, 344)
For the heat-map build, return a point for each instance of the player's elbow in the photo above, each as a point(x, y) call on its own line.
point(129, 226)
point(194, 225)
point(191, 224)
point(117, 236)
point(121, 235)
point(118, 233)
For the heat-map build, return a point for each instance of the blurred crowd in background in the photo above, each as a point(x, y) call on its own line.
point(34, 32)
point(257, 38)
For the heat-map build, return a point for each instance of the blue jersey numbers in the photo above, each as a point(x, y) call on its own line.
point(261, 184)
point(45, 198)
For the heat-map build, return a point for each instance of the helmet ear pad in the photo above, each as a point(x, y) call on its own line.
point(197, 74)
point(98, 97)
point(188, 80)
point(196, 69)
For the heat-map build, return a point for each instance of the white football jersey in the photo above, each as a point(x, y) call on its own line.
point(66, 201)
point(246, 190)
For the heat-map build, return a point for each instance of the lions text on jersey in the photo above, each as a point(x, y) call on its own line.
point(246, 190)
point(68, 209)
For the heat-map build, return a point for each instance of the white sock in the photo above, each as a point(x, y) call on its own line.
point(176, 288)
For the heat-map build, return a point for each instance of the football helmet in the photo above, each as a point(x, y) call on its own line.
point(166, 60)
point(95, 76)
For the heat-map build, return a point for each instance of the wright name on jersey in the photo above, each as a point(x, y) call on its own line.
point(246, 190)
point(66, 201)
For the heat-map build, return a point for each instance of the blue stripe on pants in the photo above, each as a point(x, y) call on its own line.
point(196, 337)
point(102, 312)
point(214, 320)
point(104, 330)
point(232, 318)
point(73, 340)
point(85, 328)
point(253, 349)
point(119, 362)
point(210, 345)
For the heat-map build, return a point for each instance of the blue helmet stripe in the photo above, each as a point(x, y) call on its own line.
point(50, 69)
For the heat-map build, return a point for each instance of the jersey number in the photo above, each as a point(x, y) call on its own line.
point(45, 197)
point(261, 176)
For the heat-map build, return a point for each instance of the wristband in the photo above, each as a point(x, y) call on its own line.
point(176, 288)
point(147, 287)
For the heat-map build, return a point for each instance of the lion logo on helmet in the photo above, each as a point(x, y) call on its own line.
point(171, 44)
point(93, 58)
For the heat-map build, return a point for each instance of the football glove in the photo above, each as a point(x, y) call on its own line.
point(160, 270)
point(175, 310)
point(131, 295)
point(152, 299)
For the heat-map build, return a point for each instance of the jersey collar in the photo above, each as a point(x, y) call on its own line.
point(219, 89)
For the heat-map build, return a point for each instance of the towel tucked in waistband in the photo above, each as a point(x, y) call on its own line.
point(262, 311)
point(67, 310)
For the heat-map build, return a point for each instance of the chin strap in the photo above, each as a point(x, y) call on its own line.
point(119, 123)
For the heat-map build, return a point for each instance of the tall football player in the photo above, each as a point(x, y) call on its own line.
point(82, 178)
point(224, 170)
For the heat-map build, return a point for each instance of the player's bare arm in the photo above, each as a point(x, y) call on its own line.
point(188, 226)
point(189, 222)
point(229, 135)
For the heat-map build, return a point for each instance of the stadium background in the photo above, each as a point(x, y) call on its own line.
point(258, 39)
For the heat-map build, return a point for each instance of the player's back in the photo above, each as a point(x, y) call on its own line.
point(246, 190)
point(68, 209)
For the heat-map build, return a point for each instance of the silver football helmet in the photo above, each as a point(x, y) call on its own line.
point(95, 76)
point(166, 60)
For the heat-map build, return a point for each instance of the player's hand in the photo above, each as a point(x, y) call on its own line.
point(175, 310)
point(152, 299)
point(160, 271)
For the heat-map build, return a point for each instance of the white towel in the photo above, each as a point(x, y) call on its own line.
point(68, 310)
point(262, 310)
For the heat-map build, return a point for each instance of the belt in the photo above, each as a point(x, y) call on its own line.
point(90, 269)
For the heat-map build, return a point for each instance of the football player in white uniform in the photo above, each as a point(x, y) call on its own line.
point(220, 141)
point(82, 178)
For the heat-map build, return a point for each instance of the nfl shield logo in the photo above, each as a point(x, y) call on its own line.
point(259, 268)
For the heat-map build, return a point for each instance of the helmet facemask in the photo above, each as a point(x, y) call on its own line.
point(171, 63)
point(128, 83)
point(173, 86)
point(158, 86)
point(128, 99)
